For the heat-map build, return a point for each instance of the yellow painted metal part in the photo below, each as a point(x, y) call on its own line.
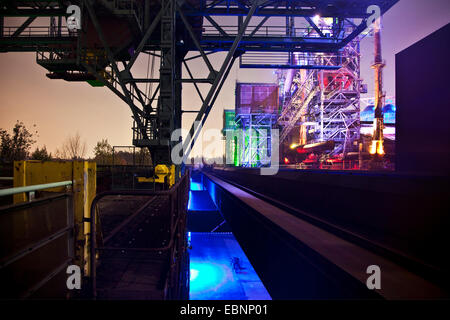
point(161, 172)
point(27, 173)
point(83, 175)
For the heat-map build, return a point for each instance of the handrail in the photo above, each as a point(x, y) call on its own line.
point(11, 191)
point(37, 31)
point(270, 31)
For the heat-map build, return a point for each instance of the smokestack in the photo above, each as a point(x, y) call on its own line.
point(377, 147)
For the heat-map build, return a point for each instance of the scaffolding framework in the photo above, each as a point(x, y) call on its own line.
point(255, 138)
point(324, 105)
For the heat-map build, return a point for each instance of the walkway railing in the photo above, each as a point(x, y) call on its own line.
point(37, 31)
point(32, 189)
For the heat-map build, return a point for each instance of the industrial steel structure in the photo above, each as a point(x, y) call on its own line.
point(324, 105)
point(256, 112)
point(114, 33)
point(254, 139)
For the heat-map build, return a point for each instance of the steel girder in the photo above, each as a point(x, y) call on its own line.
point(296, 8)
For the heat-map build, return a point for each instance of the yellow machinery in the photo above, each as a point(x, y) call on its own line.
point(83, 176)
point(164, 174)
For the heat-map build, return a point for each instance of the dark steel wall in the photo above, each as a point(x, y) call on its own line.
point(423, 105)
point(405, 213)
point(288, 268)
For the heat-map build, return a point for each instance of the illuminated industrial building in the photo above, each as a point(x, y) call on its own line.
point(318, 113)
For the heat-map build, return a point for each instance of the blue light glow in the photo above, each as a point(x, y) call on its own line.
point(212, 192)
point(196, 186)
point(208, 276)
point(389, 110)
point(190, 201)
point(200, 201)
point(213, 275)
point(193, 275)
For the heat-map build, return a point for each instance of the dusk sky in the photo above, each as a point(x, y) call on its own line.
point(60, 108)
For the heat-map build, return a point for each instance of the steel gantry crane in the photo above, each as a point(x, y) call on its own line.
point(113, 33)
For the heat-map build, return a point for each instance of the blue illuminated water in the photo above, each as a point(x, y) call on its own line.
point(213, 276)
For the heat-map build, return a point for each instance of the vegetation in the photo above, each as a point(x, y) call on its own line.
point(41, 154)
point(106, 155)
point(16, 146)
point(73, 148)
point(103, 152)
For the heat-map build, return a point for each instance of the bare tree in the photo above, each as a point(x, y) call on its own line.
point(72, 148)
